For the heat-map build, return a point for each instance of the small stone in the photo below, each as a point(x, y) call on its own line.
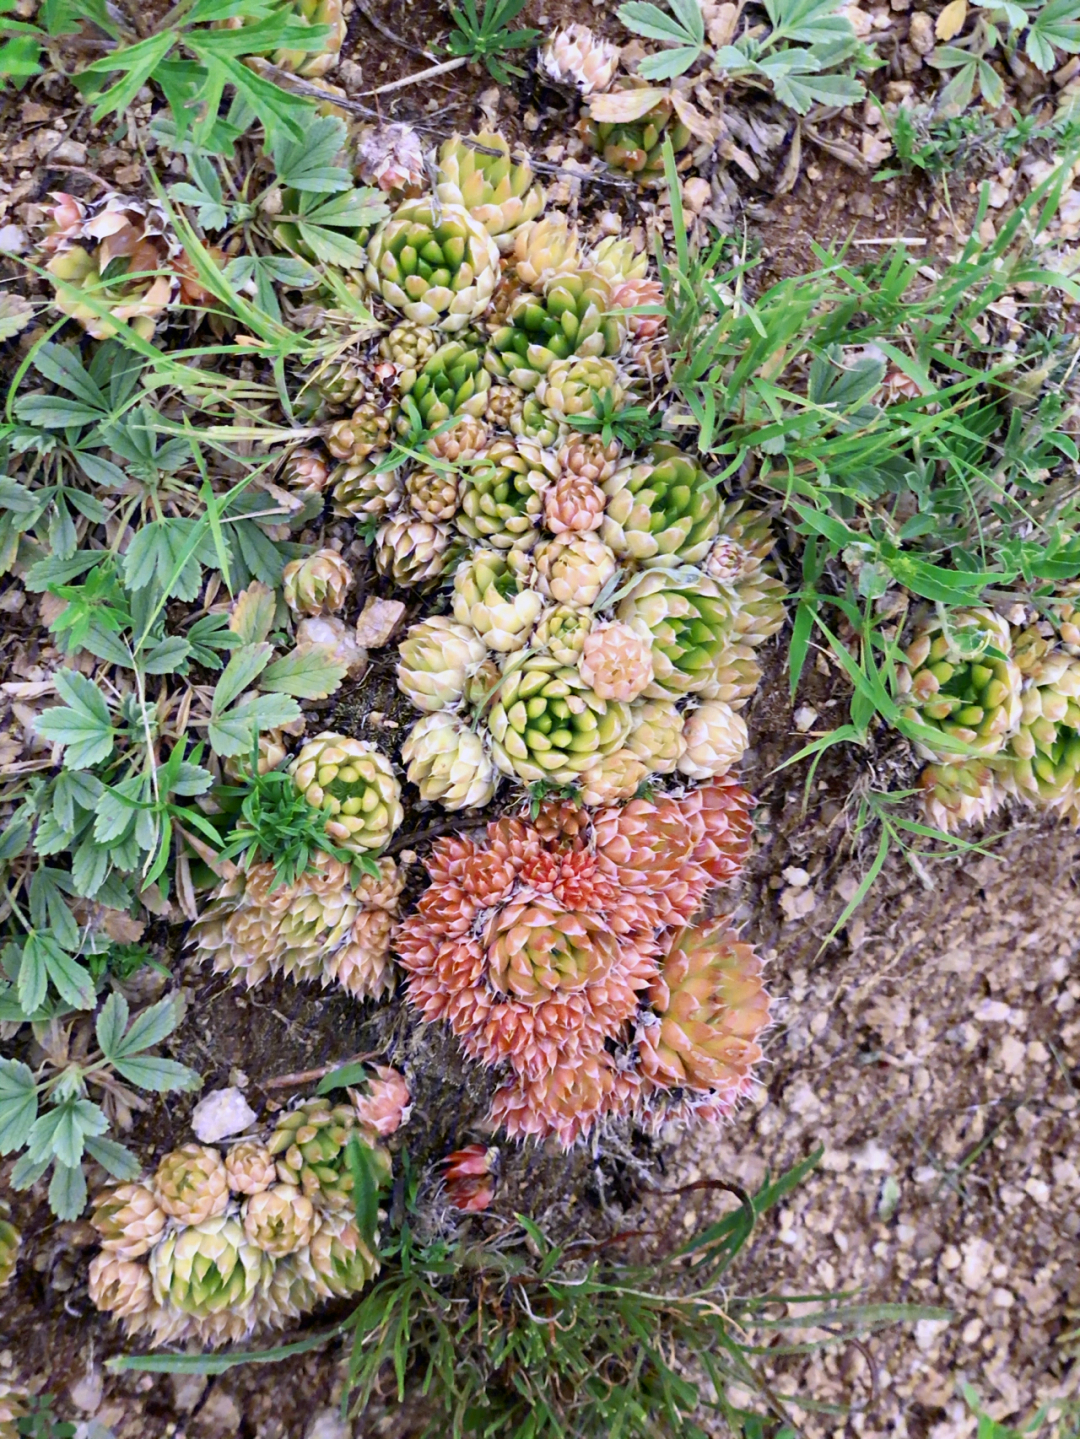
point(69, 152)
point(328, 1424)
point(993, 1011)
point(13, 240)
point(220, 1414)
point(804, 717)
point(223, 1112)
point(872, 1159)
point(927, 1331)
point(86, 1393)
point(1011, 1054)
point(187, 1390)
point(696, 194)
point(978, 1259)
point(921, 33)
point(1038, 1189)
point(796, 877)
point(377, 622)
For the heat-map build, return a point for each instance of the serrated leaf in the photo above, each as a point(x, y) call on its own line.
point(652, 23)
point(307, 673)
point(54, 412)
point(90, 864)
point(111, 1023)
point(669, 63)
point(168, 656)
point(244, 667)
point(63, 367)
point(161, 1075)
point(67, 1191)
point(308, 164)
point(18, 1104)
point(116, 1158)
point(148, 1028)
point(232, 734)
point(69, 978)
point(253, 612)
point(171, 554)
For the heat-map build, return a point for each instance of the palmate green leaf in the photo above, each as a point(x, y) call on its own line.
point(806, 20)
point(60, 1132)
point(55, 412)
point(42, 955)
point(83, 726)
point(65, 369)
point(243, 669)
point(111, 1023)
point(321, 223)
point(652, 23)
point(1056, 26)
point(169, 553)
point(18, 1104)
point(148, 1028)
point(138, 63)
point(800, 93)
point(310, 164)
point(20, 57)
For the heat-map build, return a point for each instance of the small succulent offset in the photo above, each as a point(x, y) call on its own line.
point(484, 34)
point(51, 1117)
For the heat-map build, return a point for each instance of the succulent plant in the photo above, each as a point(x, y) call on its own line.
point(191, 1185)
point(572, 569)
point(708, 1009)
point(361, 491)
point(616, 776)
point(744, 542)
point(432, 494)
point(587, 457)
point(572, 388)
point(411, 551)
point(129, 1220)
point(385, 1103)
point(561, 631)
point(342, 383)
point(391, 156)
point(573, 504)
point(533, 423)
point(317, 584)
point(497, 190)
point(250, 1167)
point(565, 1102)
point(962, 793)
point(452, 382)
point(309, 1143)
point(961, 681)
point(355, 785)
point(720, 813)
point(621, 262)
point(636, 146)
point(447, 762)
point(570, 317)
point(409, 346)
point(466, 439)
point(304, 469)
point(616, 663)
point(119, 1286)
point(110, 263)
point(279, 1220)
point(504, 407)
point(322, 927)
point(662, 505)
point(370, 427)
point(502, 495)
point(469, 1178)
point(575, 56)
point(688, 619)
point(493, 596)
point(716, 738)
point(547, 724)
point(656, 735)
point(207, 1268)
point(434, 263)
point(10, 1242)
point(437, 660)
point(544, 249)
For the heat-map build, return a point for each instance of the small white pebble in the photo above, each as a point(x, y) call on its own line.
point(221, 1113)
